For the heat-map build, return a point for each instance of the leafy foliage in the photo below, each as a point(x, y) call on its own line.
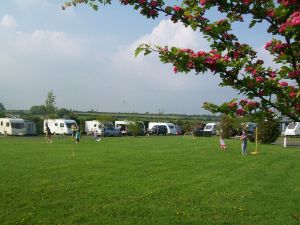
point(268, 91)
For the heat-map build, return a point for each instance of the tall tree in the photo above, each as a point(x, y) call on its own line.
point(50, 103)
point(2, 108)
point(269, 91)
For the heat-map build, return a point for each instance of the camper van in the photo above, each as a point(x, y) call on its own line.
point(30, 127)
point(60, 126)
point(170, 127)
point(12, 126)
point(210, 128)
point(93, 126)
point(123, 127)
point(292, 129)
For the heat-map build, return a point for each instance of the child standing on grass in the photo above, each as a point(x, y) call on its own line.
point(244, 138)
point(222, 143)
point(77, 136)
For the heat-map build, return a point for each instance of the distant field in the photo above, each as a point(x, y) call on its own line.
point(147, 181)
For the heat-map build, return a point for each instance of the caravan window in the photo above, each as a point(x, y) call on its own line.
point(1, 123)
point(292, 126)
point(171, 127)
point(69, 125)
point(56, 124)
point(17, 125)
point(7, 124)
point(62, 125)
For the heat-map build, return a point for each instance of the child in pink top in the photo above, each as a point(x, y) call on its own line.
point(222, 142)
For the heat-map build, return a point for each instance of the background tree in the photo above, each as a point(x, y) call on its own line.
point(268, 91)
point(38, 110)
point(50, 104)
point(2, 108)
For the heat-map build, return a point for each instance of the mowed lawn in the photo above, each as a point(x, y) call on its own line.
point(147, 180)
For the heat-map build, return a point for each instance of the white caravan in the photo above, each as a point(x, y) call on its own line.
point(123, 126)
point(292, 129)
point(170, 126)
point(93, 126)
point(12, 126)
point(211, 128)
point(60, 126)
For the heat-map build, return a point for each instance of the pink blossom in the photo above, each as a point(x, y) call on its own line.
point(247, 2)
point(240, 112)
point(232, 105)
point(243, 102)
point(292, 94)
point(154, 3)
point(294, 74)
point(270, 13)
point(259, 79)
point(261, 93)
point(141, 2)
point(283, 83)
point(177, 8)
point(202, 2)
point(175, 69)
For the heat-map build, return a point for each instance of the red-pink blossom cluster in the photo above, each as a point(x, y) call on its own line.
point(240, 112)
point(292, 21)
point(294, 74)
point(283, 83)
point(287, 2)
point(276, 46)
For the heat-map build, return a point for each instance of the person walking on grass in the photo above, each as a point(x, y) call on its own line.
point(48, 134)
point(77, 136)
point(244, 138)
point(222, 142)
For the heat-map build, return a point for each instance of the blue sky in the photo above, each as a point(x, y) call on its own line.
point(87, 59)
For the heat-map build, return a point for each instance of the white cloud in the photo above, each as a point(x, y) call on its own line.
point(83, 74)
point(8, 21)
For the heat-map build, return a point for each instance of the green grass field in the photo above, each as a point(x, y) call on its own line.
point(147, 180)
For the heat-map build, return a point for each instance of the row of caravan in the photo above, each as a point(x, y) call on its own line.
point(16, 126)
point(124, 127)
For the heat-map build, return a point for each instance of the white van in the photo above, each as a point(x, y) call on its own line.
point(12, 126)
point(93, 126)
point(292, 129)
point(170, 126)
point(123, 125)
point(211, 128)
point(60, 126)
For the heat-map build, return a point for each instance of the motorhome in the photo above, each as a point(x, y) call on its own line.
point(30, 127)
point(170, 126)
point(93, 126)
point(60, 126)
point(210, 128)
point(124, 127)
point(12, 126)
point(292, 129)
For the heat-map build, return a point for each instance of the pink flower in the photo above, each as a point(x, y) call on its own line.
point(177, 8)
point(261, 93)
point(202, 2)
point(243, 102)
point(270, 13)
point(240, 112)
point(294, 74)
point(232, 105)
point(247, 2)
point(292, 94)
point(142, 2)
point(259, 79)
point(175, 69)
point(283, 83)
point(154, 3)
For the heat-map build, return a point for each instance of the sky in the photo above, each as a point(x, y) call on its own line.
point(86, 58)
